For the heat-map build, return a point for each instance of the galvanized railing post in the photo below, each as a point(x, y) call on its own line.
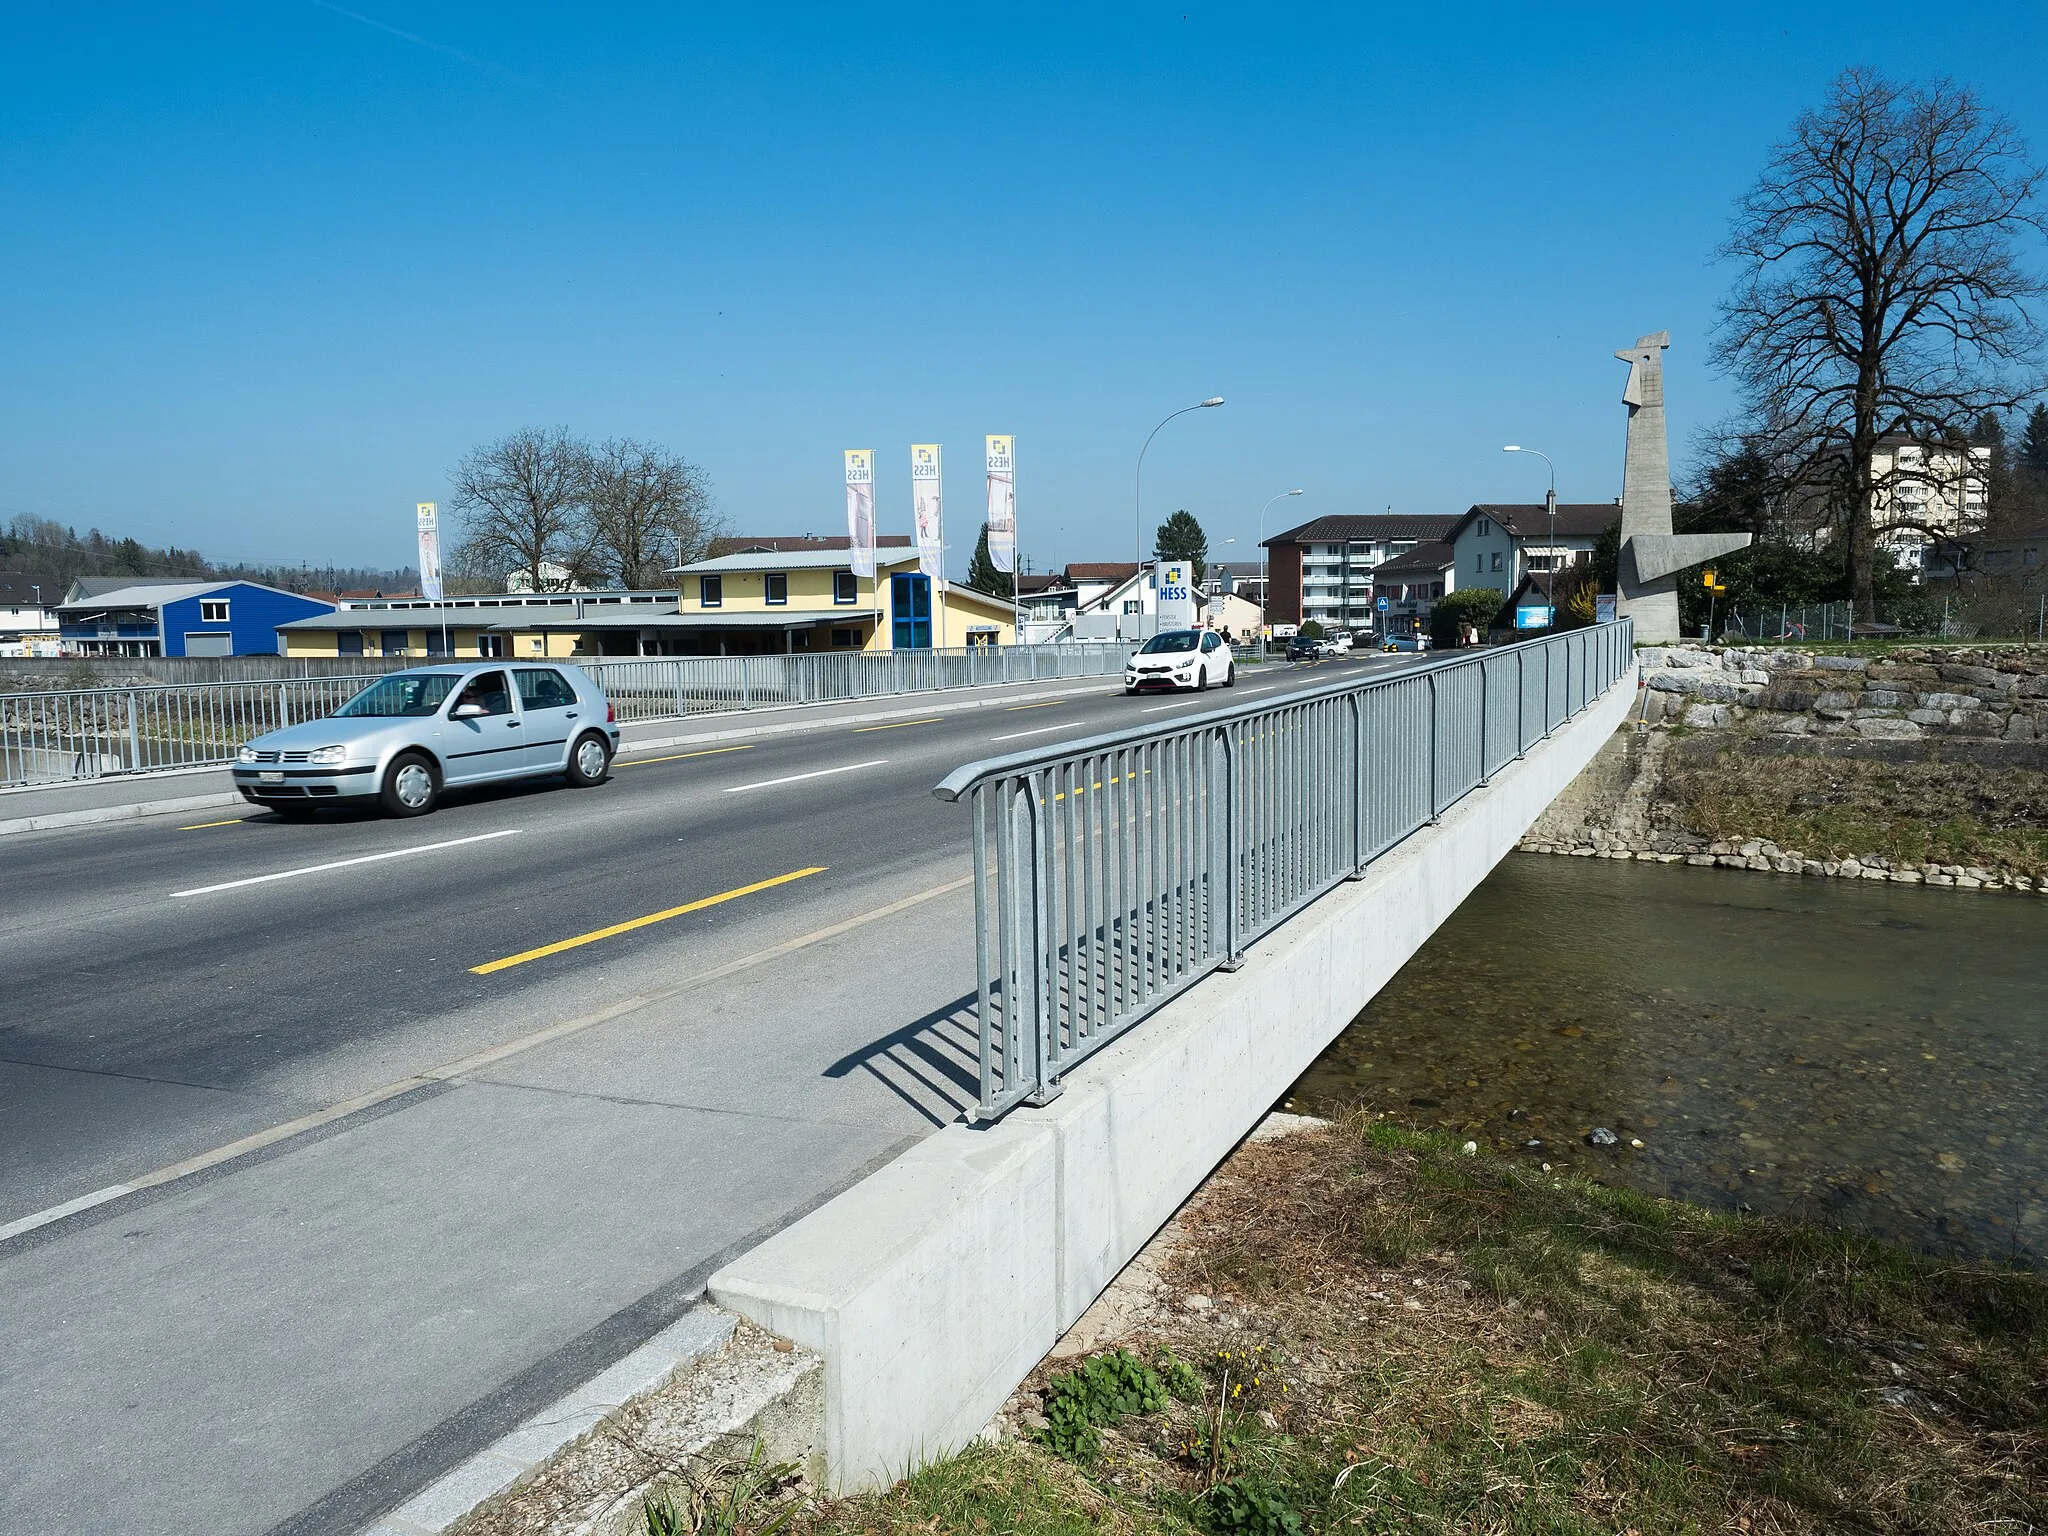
point(1435, 813)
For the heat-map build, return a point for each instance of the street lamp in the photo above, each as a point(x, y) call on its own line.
point(1138, 494)
point(1265, 575)
point(1550, 505)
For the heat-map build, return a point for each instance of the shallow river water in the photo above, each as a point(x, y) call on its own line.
point(1873, 1056)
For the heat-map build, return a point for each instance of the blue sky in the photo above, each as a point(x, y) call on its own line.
point(269, 267)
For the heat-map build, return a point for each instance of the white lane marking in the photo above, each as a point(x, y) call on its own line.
point(1013, 735)
point(1266, 688)
point(795, 778)
point(58, 1212)
point(368, 858)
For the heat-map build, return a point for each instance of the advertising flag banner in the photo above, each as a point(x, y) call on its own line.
point(926, 505)
point(860, 510)
point(1002, 503)
point(430, 551)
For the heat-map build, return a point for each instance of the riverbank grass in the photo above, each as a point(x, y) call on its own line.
point(1366, 1329)
point(1913, 813)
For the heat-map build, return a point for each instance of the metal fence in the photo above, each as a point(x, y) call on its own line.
point(56, 736)
point(1113, 873)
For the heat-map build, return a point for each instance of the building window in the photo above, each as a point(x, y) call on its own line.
point(490, 645)
point(1496, 559)
point(437, 642)
point(845, 637)
point(775, 589)
point(1134, 605)
point(213, 611)
point(845, 589)
point(394, 642)
point(1479, 561)
point(1484, 527)
point(711, 592)
point(348, 642)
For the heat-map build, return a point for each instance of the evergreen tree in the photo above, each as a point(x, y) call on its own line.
point(1180, 537)
point(2033, 452)
point(982, 574)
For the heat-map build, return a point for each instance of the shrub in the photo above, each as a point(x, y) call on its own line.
point(1474, 605)
point(1311, 630)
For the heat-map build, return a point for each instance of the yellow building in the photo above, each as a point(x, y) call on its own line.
point(770, 600)
point(761, 602)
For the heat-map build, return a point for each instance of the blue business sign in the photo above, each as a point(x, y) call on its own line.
point(1532, 616)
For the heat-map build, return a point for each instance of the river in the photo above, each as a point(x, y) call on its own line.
point(1869, 1055)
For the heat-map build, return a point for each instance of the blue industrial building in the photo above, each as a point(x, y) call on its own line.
point(178, 618)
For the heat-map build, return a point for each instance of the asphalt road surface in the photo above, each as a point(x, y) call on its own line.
point(422, 1123)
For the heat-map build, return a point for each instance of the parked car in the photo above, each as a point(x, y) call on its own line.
point(1181, 658)
point(1302, 648)
point(411, 735)
point(1408, 643)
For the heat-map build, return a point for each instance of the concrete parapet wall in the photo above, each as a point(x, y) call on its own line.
point(932, 1287)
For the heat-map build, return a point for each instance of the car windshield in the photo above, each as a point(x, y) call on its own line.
point(402, 693)
point(1179, 640)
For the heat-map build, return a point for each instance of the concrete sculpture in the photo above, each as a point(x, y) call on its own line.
point(1651, 554)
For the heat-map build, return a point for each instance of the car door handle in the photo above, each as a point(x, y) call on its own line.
point(571, 715)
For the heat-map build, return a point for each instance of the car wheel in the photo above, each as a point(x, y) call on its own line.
point(1202, 681)
point(1130, 693)
point(410, 785)
point(589, 761)
point(1230, 675)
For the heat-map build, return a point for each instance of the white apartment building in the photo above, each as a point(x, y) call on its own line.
point(1924, 491)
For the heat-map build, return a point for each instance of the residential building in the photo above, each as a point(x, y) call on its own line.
point(1410, 584)
point(1923, 493)
point(1498, 543)
point(28, 626)
point(1323, 570)
point(1127, 609)
point(169, 618)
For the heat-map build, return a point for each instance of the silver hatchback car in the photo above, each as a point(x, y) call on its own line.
point(408, 736)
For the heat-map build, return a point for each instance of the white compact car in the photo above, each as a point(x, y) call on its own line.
point(1181, 658)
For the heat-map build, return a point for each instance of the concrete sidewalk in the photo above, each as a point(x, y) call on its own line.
point(45, 807)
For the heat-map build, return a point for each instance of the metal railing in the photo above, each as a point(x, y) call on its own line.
point(57, 736)
point(1113, 873)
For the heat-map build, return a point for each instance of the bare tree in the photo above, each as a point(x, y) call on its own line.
point(648, 509)
point(521, 500)
point(1882, 290)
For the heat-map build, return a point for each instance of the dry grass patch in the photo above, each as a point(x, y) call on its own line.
point(1395, 1336)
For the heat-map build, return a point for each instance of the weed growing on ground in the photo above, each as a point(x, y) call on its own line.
point(1103, 1392)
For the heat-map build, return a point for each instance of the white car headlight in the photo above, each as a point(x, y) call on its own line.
point(327, 755)
point(246, 755)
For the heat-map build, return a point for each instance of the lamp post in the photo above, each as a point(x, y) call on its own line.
point(1265, 574)
point(1550, 505)
point(1138, 493)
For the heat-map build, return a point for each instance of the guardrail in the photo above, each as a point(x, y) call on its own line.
point(58, 736)
point(1111, 874)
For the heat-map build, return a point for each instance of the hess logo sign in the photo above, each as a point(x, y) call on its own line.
point(1173, 584)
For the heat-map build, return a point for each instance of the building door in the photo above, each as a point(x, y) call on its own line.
point(910, 604)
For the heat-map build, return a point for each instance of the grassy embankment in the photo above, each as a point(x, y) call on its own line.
point(1406, 1338)
point(1925, 812)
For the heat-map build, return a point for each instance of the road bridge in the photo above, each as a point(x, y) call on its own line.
point(393, 1131)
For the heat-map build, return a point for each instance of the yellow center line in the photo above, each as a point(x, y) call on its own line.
point(1041, 704)
point(893, 725)
point(642, 922)
point(677, 757)
point(201, 826)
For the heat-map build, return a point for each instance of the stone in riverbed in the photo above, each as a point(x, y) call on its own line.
point(1600, 1136)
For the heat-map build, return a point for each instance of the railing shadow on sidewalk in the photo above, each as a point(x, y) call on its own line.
point(931, 1063)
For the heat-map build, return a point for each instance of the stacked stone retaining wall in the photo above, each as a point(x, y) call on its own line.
point(1996, 692)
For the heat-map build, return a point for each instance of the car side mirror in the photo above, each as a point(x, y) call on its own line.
point(466, 711)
